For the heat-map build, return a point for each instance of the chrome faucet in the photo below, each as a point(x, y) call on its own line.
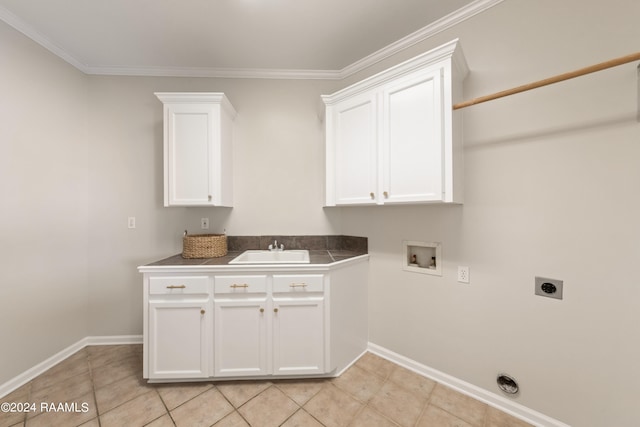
point(274, 246)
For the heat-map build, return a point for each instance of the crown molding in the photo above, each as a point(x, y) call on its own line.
point(42, 40)
point(231, 73)
point(424, 33)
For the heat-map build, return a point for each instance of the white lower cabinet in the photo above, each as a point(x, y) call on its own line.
point(240, 326)
point(240, 338)
point(271, 325)
point(178, 340)
point(298, 336)
point(280, 332)
point(299, 327)
point(177, 326)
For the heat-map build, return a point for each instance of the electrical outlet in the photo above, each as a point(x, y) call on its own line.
point(546, 287)
point(131, 222)
point(463, 274)
point(204, 223)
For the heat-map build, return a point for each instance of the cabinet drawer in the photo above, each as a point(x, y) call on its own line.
point(298, 283)
point(178, 285)
point(240, 284)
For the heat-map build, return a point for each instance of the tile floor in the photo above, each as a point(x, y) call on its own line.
point(103, 386)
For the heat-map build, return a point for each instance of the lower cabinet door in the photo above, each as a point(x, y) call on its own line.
point(298, 336)
point(178, 340)
point(240, 338)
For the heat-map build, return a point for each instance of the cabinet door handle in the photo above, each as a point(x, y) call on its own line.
point(261, 310)
point(298, 285)
point(275, 310)
point(244, 285)
point(373, 196)
point(386, 195)
point(176, 286)
point(209, 197)
point(202, 311)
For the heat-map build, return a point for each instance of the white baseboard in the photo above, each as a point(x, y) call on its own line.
point(114, 340)
point(499, 402)
point(40, 368)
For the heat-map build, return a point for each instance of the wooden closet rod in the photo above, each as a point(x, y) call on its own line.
point(560, 77)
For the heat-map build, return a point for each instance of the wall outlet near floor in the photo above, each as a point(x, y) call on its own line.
point(204, 223)
point(131, 222)
point(463, 274)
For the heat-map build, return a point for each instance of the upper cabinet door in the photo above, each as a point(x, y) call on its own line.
point(353, 161)
point(197, 149)
point(412, 139)
point(394, 138)
point(190, 161)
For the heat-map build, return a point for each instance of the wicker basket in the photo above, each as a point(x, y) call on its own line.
point(204, 245)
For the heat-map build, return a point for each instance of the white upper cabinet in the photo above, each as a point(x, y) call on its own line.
point(394, 138)
point(198, 131)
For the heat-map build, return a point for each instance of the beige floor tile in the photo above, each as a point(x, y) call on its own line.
point(163, 421)
point(64, 391)
point(91, 423)
point(412, 381)
point(462, 406)
point(76, 364)
point(239, 392)
point(21, 394)
point(270, 408)
point(121, 391)
point(12, 418)
point(394, 395)
point(206, 409)
point(359, 383)
point(333, 407)
point(100, 355)
point(496, 418)
point(376, 365)
point(301, 390)
point(137, 412)
point(302, 419)
point(370, 418)
point(434, 416)
point(398, 404)
point(174, 395)
point(232, 420)
point(60, 417)
point(107, 374)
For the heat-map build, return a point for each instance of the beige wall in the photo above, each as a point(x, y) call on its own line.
point(278, 179)
point(551, 189)
point(43, 218)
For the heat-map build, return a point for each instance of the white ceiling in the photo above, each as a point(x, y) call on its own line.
point(303, 38)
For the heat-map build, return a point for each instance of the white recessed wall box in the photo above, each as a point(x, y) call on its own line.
point(422, 257)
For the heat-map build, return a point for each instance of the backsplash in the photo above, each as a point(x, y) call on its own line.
point(334, 243)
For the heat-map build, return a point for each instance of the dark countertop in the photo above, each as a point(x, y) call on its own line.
point(317, 257)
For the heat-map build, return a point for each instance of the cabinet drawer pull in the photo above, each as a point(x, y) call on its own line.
point(176, 286)
point(202, 311)
point(209, 197)
point(275, 310)
point(298, 285)
point(373, 196)
point(234, 286)
point(386, 195)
